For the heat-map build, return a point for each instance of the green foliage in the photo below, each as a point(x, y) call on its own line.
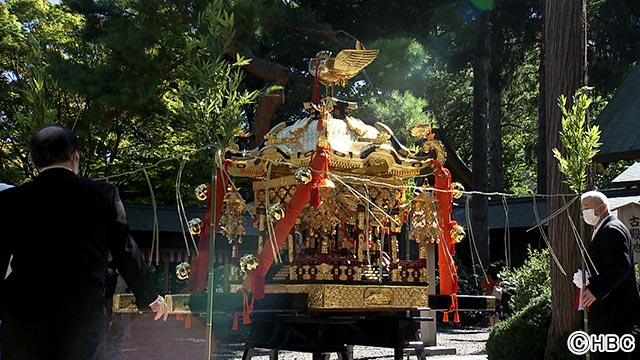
point(31, 31)
point(523, 335)
point(613, 43)
point(402, 64)
point(450, 97)
point(122, 75)
point(578, 138)
point(519, 126)
point(400, 111)
point(530, 280)
point(212, 104)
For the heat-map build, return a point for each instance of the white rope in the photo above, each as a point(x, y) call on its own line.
point(555, 213)
point(182, 214)
point(366, 198)
point(584, 253)
point(365, 181)
point(367, 225)
point(472, 237)
point(546, 240)
point(155, 240)
point(507, 234)
point(358, 179)
point(270, 230)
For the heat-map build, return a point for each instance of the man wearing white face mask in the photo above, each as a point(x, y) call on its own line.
point(612, 294)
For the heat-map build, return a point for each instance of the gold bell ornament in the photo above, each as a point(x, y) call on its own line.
point(457, 190)
point(276, 212)
point(303, 175)
point(248, 262)
point(457, 232)
point(183, 271)
point(195, 226)
point(201, 192)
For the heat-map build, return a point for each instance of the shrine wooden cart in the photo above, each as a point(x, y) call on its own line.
point(332, 204)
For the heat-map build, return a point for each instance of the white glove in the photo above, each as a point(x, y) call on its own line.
point(160, 308)
point(577, 279)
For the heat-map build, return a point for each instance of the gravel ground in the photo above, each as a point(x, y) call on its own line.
point(155, 340)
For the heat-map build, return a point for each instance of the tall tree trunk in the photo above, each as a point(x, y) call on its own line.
point(541, 150)
point(495, 138)
point(565, 71)
point(496, 41)
point(479, 218)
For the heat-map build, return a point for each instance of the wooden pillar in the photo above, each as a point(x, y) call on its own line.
point(428, 329)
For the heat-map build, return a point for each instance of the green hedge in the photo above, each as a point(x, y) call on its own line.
point(529, 280)
point(523, 335)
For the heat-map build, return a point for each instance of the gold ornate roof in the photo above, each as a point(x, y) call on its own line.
point(357, 149)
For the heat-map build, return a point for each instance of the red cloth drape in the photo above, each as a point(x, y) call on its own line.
point(254, 281)
point(200, 265)
point(446, 248)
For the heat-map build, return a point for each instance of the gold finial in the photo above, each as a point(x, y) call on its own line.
point(338, 70)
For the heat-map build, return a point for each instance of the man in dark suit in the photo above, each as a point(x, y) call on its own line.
point(60, 228)
point(612, 295)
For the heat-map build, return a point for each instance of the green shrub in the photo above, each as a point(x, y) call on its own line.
point(561, 350)
point(523, 335)
point(530, 280)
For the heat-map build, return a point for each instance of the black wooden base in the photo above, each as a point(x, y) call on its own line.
point(324, 333)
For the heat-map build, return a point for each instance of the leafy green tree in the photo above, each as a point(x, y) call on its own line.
point(614, 42)
point(29, 96)
point(580, 140)
point(212, 102)
point(400, 111)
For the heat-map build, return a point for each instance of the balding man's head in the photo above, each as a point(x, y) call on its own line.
point(53, 145)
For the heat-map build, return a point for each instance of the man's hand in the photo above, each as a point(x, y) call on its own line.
point(587, 298)
point(160, 308)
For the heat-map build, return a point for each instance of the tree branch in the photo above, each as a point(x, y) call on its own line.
point(272, 74)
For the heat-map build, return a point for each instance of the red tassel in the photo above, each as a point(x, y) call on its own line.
point(246, 312)
point(179, 317)
point(454, 308)
point(235, 321)
point(445, 316)
point(246, 319)
point(187, 323)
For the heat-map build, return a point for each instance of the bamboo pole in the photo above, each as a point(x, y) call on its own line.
point(585, 315)
point(211, 273)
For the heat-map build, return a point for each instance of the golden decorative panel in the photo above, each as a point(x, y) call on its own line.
point(124, 303)
point(357, 297)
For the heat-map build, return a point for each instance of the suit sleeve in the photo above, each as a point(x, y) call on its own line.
point(127, 257)
point(611, 258)
point(5, 252)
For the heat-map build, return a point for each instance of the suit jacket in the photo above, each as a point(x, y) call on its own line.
point(60, 228)
point(614, 286)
